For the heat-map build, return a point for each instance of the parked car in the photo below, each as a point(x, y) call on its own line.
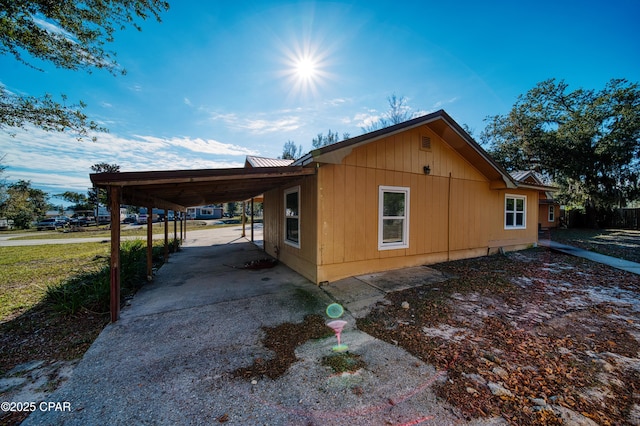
point(79, 221)
point(132, 218)
point(142, 218)
point(50, 224)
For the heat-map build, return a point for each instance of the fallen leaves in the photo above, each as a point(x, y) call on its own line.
point(535, 341)
point(283, 340)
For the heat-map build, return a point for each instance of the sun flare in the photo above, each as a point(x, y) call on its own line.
point(306, 68)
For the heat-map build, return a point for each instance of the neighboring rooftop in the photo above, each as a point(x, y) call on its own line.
point(253, 161)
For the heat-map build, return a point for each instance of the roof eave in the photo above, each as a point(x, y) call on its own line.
point(335, 153)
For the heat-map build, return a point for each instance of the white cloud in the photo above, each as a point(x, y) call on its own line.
point(187, 101)
point(440, 104)
point(208, 146)
point(52, 28)
point(58, 162)
point(337, 101)
point(269, 126)
point(364, 120)
point(259, 126)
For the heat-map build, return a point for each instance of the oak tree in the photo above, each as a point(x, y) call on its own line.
point(587, 141)
point(70, 35)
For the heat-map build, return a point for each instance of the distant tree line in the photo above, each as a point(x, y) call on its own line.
point(23, 204)
point(398, 112)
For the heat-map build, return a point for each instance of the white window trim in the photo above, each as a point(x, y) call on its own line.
point(405, 230)
point(552, 213)
point(524, 212)
point(284, 233)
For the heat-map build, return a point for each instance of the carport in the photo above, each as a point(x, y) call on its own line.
point(176, 190)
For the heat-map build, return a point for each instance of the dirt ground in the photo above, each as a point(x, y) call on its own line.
point(534, 337)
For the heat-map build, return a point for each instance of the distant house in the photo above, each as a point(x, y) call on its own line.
point(204, 212)
point(416, 193)
point(253, 161)
point(548, 207)
point(56, 213)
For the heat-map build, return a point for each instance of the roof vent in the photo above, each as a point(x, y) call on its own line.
point(426, 142)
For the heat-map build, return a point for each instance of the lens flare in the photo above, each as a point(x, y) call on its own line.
point(335, 310)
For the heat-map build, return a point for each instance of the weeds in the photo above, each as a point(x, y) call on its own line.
point(90, 290)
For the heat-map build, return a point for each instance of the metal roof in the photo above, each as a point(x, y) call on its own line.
point(179, 189)
point(254, 161)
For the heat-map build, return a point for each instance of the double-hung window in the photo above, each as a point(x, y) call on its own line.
point(393, 217)
point(552, 213)
point(292, 216)
point(515, 212)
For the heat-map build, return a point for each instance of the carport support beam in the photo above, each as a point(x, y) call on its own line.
point(114, 194)
point(243, 219)
point(252, 219)
point(166, 235)
point(149, 243)
point(175, 231)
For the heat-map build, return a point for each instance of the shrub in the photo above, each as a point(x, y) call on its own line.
point(91, 290)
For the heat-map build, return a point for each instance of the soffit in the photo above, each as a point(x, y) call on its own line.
point(179, 189)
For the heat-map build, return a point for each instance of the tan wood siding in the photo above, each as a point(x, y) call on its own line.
point(303, 259)
point(455, 210)
point(454, 213)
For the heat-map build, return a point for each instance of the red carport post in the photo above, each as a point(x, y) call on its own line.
point(149, 243)
point(114, 194)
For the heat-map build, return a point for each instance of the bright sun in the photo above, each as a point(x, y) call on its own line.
point(305, 68)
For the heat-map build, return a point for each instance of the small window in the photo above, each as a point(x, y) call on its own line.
point(292, 216)
point(552, 213)
point(515, 212)
point(393, 211)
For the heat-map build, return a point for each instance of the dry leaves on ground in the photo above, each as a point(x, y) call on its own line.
point(530, 336)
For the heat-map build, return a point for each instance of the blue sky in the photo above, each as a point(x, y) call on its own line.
point(216, 81)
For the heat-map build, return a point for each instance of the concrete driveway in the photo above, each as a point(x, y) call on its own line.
point(169, 359)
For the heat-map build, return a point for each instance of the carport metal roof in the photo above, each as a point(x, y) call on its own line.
point(179, 189)
point(176, 190)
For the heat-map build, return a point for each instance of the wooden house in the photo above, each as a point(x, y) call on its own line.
point(211, 211)
point(548, 207)
point(416, 193)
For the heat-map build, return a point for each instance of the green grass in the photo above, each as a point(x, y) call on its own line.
point(91, 289)
point(68, 277)
point(103, 232)
point(26, 272)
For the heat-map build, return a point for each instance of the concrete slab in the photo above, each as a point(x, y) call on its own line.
point(359, 294)
point(614, 262)
point(402, 279)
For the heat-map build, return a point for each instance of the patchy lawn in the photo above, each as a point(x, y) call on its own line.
point(621, 243)
point(534, 337)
